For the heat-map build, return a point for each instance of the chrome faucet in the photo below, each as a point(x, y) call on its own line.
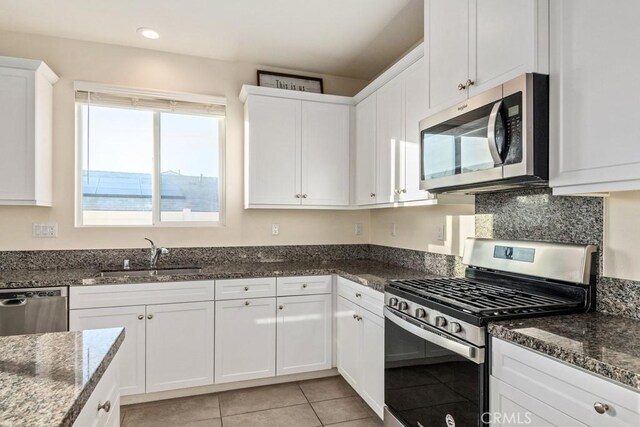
point(155, 254)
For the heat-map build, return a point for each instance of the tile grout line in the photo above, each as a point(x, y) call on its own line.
point(310, 405)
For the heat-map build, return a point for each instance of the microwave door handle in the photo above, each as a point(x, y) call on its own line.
point(491, 133)
point(464, 350)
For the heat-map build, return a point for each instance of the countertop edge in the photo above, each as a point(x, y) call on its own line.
point(610, 372)
point(82, 399)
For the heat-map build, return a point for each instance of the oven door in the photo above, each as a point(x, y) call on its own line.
point(431, 378)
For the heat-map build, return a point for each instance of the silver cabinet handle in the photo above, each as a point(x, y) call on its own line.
point(280, 307)
point(462, 86)
point(150, 316)
point(355, 316)
point(359, 318)
point(600, 407)
point(246, 288)
point(469, 83)
point(304, 196)
point(106, 406)
point(372, 194)
point(304, 286)
point(404, 190)
point(140, 316)
point(358, 294)
point(298, 196)
point(247, 303)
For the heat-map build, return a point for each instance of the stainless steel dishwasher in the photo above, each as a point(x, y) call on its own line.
point(32, 311)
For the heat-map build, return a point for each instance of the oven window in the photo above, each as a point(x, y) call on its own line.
point(425, 383)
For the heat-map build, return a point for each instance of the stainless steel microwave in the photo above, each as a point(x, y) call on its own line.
point(494, 141)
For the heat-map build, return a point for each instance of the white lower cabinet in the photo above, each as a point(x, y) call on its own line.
point(525, 383)
point(132, 353)
point(102, 408)
point(179, 345)
point(304, 334)
point(245, 339)
point(360, 343)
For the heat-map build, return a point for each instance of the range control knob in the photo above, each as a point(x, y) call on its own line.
point(393, 302)
point(403, 305)
point(421, 313)
point(441, 322)
point(456, 327)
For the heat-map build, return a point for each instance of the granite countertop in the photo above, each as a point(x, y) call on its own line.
point(46, 379)
point(374, 274)
point(603, 344)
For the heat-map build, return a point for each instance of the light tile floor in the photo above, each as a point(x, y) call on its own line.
point(322, 402)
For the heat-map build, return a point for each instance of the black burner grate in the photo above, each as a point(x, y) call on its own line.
point(481, 298)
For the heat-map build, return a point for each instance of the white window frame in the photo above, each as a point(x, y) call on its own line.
point(155, 182)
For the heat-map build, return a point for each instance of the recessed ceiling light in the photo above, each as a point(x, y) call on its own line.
point(148, 33)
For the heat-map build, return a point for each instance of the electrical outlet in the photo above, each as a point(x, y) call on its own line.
point(44, 230)
point(358, 229)
point(394, 229)
point(440, 232)
point(275, 229)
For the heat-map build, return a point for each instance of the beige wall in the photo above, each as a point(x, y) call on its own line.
point(74, 60)
point(622, 235)
point(416, 227)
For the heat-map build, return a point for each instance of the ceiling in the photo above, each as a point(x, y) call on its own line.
point(353, 38)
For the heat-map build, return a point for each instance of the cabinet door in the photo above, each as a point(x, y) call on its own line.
point(507, 38)
point(415, 99)
point(304, 331)
point(349, 342)
point(179, 345)
point(365, 164)
point(446, 42)
point(509, 406)
point(245, 339)
point(17, 139)
point(594, 114)
point(372, 380)
point(132, 352)
point(390, 115)
point(272, 146)
point(325, 154)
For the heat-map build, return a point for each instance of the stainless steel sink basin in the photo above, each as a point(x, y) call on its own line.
point(156, 272)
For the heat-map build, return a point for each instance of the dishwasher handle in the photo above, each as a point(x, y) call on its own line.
point(14, 302)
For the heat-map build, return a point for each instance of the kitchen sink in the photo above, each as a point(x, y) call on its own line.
point(155, 272)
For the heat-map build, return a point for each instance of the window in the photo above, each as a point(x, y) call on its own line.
point(146, 160)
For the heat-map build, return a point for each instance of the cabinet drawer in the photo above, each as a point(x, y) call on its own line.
point(303, 285)
point(106, 391)
point(140, 294)
point(564, 387)
point(245, 288)
point(365, 297)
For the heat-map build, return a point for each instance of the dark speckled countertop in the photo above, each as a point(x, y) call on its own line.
point(46, 379)
point(603, 344)
point(374, 274)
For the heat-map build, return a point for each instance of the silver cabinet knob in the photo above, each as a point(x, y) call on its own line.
point(246, 288)
point(355, 316)
point(304, 196)
point(403, 191)
point(279, 307)
point(359, 318)
point(441, 322)
point(393, 302)
point(150, 316)
point(421, 313)
point(372, 194)
point(358, 295)
point(461, 86)
point(470, 83)
point(140, 316)
point(456, 327)
point(106, 406)
point(600, 408)
point(403, 305)
point(247, 303)
point(304, 286)
point(298, 196)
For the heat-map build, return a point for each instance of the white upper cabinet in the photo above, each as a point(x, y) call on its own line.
point(325, 154)
point(26, 97)
point(365, 152)
point(594, 118)
point(390, 118)
point(474, 45)
point(297, 149)
point(446, 49)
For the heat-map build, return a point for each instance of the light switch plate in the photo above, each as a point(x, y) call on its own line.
point(358, 229)
point(394, 229)
point(440, 235)
point(275, 229)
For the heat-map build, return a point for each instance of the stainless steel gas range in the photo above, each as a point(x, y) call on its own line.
point(436, 367)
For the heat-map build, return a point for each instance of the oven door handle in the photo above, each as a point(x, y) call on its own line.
point(424, 331)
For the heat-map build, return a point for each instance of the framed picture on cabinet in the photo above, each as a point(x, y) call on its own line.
point(290, 82)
